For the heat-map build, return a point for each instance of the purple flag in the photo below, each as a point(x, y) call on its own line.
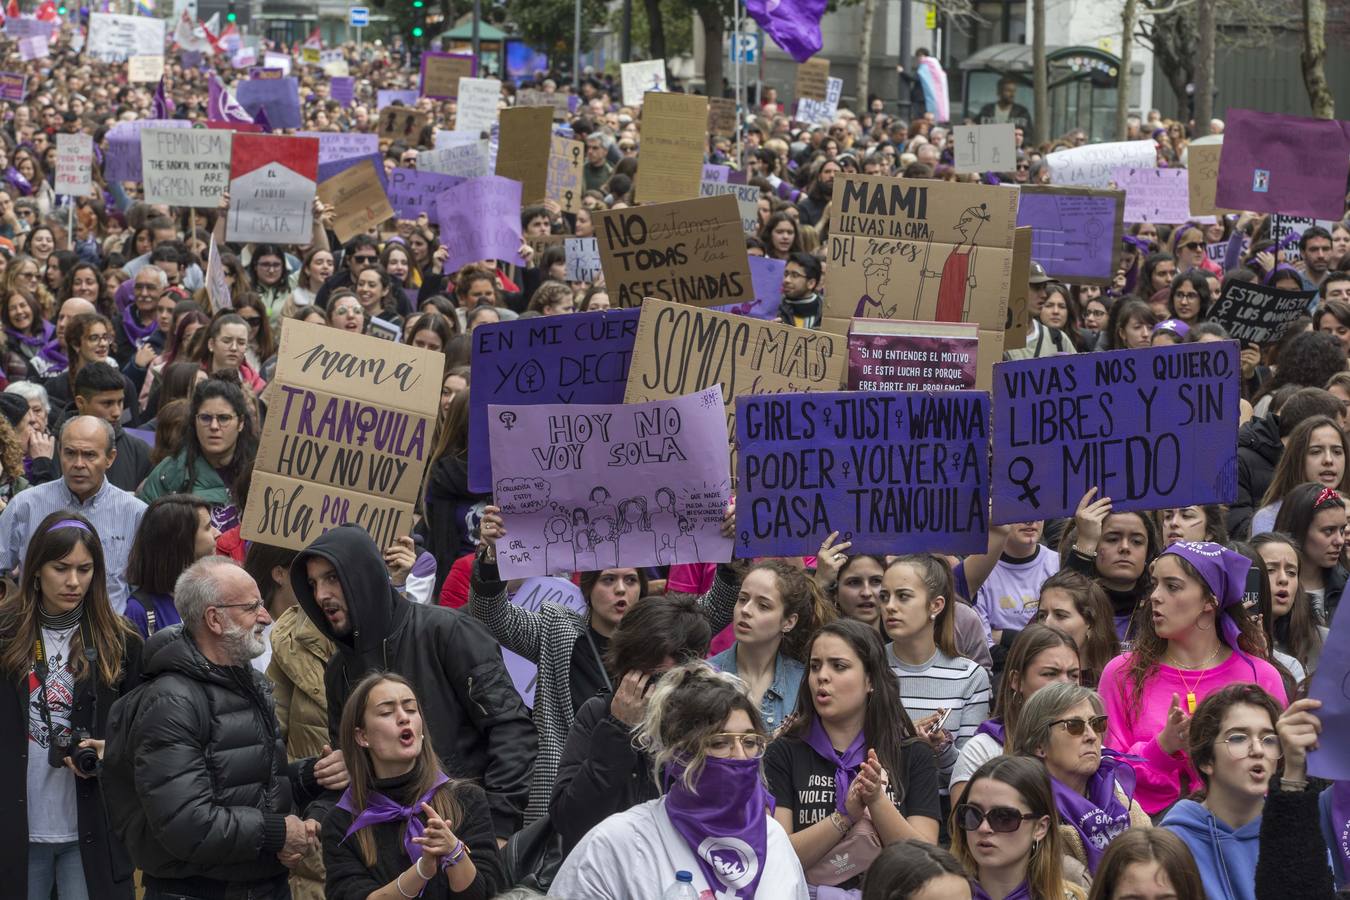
point(261, 120)
point(279, 96)
point(222, 107)
point(162, 105)
point(1274, 163)
point(794, 25)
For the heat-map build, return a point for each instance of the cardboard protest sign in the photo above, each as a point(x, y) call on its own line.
point(480, 219)
point(1077, 230)
point(891, 472)
point(217, 283)
point(336, 145)
point(1155, 195)
point(681, 349)
point(1202, 179)
point(122, 161)
point(13, 86)
point(401, 123)
point(523, 151)
point(747, 200)
point(766, 280)
point(350, 429)
point(1331, 684)
point(552, 99)
point(476, 106)
point(1256, 313)
point(640, 78)
point(912, 356)
point(440, 73)
point(821, 112)
point(984, 148)
point(564, 184)
point(919, 249)
point(692, 252)
point(272, 185)
point(145, 69)
point(113, 38)
point(811, 79)
point(185, 166)
point(583, 259)
point(279, 97)
point(722, 116)
point(358, 198)
point(1092, 165)
point(581, 358)
point(1276, 163)
point(531, 597)
point(413, 192)
point(1019, 300)
point(74, 164)
point(332, 169)
point(672, 139)
point(590, 487)
point(466, 160)
point(1150, 429)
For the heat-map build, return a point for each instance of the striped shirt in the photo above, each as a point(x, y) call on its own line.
point(960, 685)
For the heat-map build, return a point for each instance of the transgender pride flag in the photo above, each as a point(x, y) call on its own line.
point(934, 82)
point(794, 25)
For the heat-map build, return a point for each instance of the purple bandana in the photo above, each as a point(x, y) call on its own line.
point(725, 822)
point(995, 729)
point(380, 809)
point(36, 341)
point(1100, 816)
point(131, 324)
point(1225, 573)
point(55, 354)
point(18, 182)
point(845, 764)
point(1023, 892)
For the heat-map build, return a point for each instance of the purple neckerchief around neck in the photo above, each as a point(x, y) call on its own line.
point(380, 809)
point(1340, 821)
point(33, 340)
point(725, 822)
point(1100, 816)
point(131, 324)
point(995, 729)
point(1022, 892)
point(845, 764)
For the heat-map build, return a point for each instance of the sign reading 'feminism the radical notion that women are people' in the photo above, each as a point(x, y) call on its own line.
point(893, 472)
point(1148, 428)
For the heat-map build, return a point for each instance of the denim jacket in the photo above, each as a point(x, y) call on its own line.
point(781, 696)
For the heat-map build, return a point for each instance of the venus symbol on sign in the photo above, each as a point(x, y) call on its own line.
point(507, 418)
point(1028, 492)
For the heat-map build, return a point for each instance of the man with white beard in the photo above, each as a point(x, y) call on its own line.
point(196, 781)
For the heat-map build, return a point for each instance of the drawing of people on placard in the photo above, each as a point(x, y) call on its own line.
point(560, 556)
point(686, 548)
point(665, 520)
point(665, 554)
point(605, 531)
point(876, 275)
point(957, 278)
point(584, 541)
point(600, 505)
point(637, 541)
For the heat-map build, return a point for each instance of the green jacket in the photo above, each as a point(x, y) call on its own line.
point(168, 477)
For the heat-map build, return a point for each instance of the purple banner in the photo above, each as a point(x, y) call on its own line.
point(13, 86)
point(342, 88)
point(21, 28)
point(581, 358)
point(531, 597)
point(1331, 685)
point(766, 277)
point(480, 219)
point(912, 362)
point(1150, 429)
point(122, 162)
point(413, 192)
point(1275, 163)
point(390, 96)
point(598, 486)
point(891, 472)
point(1076, 233)
point(279, 97)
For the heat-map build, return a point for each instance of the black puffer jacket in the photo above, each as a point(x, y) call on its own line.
point(480, 728)
point(1259, 449)
point(195, 777)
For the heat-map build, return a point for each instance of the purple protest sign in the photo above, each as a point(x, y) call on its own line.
point(1155, 195)
point(13, 86)
point(598, 486)
point(1151, 429)
point(1077, 231)
point(122, 161)
point(342, 88)
point(918, 356)
point(335, 145)
point(413, 192)
point(390, 96)
point(766, 277)
point(480, 219)
point(17, 27)
point(1331, 685)
point(531, 597)
point(1275, 163)
point(581, 358)
point(891, 472)
point(279, 97)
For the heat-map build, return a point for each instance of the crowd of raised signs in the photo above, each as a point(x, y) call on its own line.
point(471, 610)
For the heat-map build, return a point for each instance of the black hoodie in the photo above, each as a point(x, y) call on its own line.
point(472, 713)
point(1259, 450)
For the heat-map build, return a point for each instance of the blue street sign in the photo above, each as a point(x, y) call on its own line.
point(358, 17)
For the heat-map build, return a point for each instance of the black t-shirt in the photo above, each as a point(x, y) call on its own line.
point(588, 677)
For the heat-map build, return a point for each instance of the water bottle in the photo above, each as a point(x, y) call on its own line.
point(682, 889)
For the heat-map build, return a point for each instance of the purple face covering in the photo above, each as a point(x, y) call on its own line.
point(845, 764)
point(1100, 816)
point(380, 808)
point(1224, 572)
point(725, 823)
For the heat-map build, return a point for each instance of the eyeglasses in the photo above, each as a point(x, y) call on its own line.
point(365, 259)
point(1002, 819)
point(251, 608)
point(752, 745)
point(273, 264)
point(1193, 245)
point(252, 321)
point(98, 338)
point(347, 311)
point(1240, 744)
point(223, 420)
point(1077, 725)
point(1023, 167)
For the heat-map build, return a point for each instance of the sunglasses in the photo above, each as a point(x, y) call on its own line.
point(1002, 819)
point(1193, 245)
point(1077, 725)
point(365, 259)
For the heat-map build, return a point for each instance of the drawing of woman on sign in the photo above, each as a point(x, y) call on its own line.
point(584, 541)
point(957, 278)
point(665, 521)
point(686, 548)
point(876, 275)
point(637, 541)
point(559, 555)
point(600, 505)
point(605, 531)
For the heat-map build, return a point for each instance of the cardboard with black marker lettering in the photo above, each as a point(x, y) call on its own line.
point(523, 149)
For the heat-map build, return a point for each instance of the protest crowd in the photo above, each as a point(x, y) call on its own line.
point(419, 484)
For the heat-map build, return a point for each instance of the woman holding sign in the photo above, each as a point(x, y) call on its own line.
point(1115, 550)
point(1196, 639)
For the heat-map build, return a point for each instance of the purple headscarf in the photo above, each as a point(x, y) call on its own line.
point(1224, 572)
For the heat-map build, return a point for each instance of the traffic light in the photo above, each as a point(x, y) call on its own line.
point(230, 14)
point(61, 10)
point(419, 18)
